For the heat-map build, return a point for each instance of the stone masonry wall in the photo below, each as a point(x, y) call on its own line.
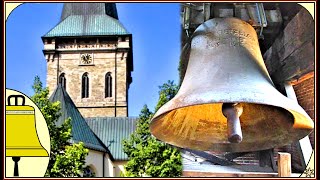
point(103, 112)
point(96, 105)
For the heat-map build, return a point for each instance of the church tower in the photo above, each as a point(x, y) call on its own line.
point(89, 52)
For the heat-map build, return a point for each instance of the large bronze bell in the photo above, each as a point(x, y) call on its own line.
point(227, 101)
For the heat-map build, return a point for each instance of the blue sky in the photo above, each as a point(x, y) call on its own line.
point(156, 46)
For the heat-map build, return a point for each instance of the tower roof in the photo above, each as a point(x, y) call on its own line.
point(69, 9)
point(81, 132)
point(88, 19)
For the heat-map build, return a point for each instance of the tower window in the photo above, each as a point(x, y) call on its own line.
point(62, 80)
point(85, 86)
point(108, 85)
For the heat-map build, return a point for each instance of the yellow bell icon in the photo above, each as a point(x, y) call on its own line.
point(21, 134)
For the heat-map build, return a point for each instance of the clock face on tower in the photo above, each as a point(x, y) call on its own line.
point(86, 58)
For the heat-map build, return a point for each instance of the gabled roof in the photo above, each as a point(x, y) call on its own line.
point(111, 131)
point(81, 132)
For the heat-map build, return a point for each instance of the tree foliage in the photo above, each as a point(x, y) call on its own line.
point(148, 156)
point(66, 160)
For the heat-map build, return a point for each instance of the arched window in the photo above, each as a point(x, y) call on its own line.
point(89, 172)
point(108, 85)
point(85, 86)
point(62, 80)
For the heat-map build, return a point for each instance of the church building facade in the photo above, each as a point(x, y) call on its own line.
point(90, 53)
point(89, 65)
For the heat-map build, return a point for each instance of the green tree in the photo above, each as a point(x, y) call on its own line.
point(148, 156)
point(66, 160)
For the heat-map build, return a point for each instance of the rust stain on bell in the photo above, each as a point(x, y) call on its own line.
point(226, 67)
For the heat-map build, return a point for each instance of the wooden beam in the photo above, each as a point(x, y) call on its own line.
point(284, 164)
point(302, 78)
point(211, 158)
point(297, 64)
point(266, 159)
point(292, 55)
point(231, 156)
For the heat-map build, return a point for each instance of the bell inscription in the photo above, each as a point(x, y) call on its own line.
point(226, 37)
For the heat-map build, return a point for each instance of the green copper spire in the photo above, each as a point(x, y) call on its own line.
point(109, 9)
point(88, 19)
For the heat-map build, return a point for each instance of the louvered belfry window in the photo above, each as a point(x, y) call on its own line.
point(85, 86)
point(108, 85)
point(62, 80)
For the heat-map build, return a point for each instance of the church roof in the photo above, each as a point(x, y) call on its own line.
point(88, 19)
point(81, 132)
point(111, 131)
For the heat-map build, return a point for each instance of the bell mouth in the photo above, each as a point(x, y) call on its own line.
point(204, 127)
point(26, 152)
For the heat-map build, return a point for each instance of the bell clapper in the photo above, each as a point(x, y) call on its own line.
point(232, 111)
point(16, 167)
